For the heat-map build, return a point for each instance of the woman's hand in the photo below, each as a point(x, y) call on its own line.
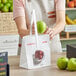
point(51, 32)
point(23, 32)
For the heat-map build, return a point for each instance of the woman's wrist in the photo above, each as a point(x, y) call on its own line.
point(20, 28)
point(23, 32)
point(57, 29)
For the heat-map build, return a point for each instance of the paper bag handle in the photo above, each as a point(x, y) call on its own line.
point(33, 20)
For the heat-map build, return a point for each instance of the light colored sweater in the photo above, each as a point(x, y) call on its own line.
point(19, 7)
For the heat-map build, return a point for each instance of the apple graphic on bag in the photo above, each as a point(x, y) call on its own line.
point(39, 54)
point(38, 57)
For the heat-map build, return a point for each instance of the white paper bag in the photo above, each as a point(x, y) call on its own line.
point(35, 50)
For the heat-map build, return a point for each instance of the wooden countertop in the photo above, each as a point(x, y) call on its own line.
point(15, 70)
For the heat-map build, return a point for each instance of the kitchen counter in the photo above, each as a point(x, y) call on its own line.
point(15, 70)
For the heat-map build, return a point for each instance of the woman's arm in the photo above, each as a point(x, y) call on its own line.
point(19, 17)
point(21, 25)
point(60, 19)
point(60, 15)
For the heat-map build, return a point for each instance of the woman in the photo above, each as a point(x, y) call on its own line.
point(50, 11)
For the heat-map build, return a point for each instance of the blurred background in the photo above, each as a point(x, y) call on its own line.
point(68, 36)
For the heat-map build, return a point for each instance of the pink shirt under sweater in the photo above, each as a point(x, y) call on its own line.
point(20, 11)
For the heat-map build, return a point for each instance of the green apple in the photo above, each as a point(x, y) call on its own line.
point(5, 9)
point(10, 1)
point(8, 4)
point(1, 5)
point(72, 64)
point(62, 63)
point(11, 9)
point(4, 1)
point(0, 1)
point(41, 27)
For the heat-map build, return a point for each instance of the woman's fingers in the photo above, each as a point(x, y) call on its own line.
point(51, 37)
point(52, 34)
point(46, 30)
